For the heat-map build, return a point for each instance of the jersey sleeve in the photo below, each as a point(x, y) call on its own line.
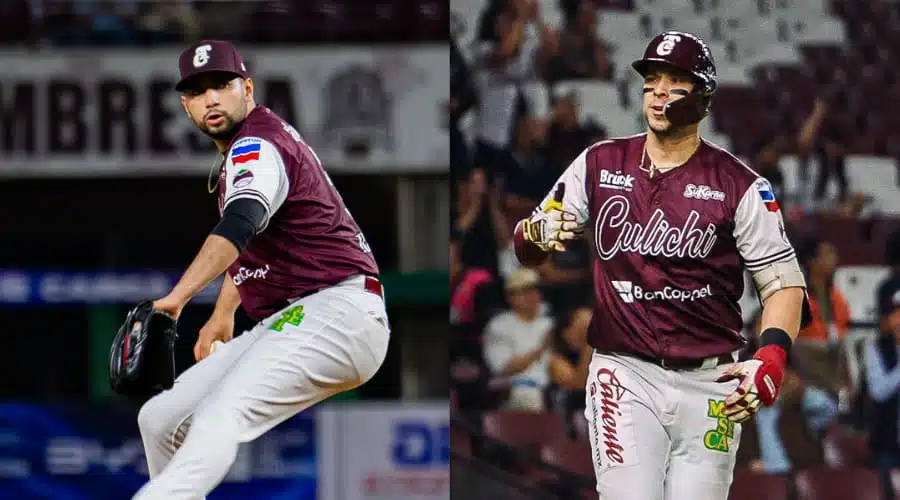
point(759, 228)
point(254, 169)
point(575, 199)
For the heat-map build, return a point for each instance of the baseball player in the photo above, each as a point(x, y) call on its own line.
point(673, 222)
point(297, 262)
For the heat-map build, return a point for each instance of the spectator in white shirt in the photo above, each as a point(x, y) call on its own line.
point(516, 342)
point(512, 37)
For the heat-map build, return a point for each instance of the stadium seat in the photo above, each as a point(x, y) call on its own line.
point(845, 449)
point(750, 485)
point(858, 284)
point(524, 430)
point(570, 456)
point(460, 441)
point(825, 483)
point(522, 434)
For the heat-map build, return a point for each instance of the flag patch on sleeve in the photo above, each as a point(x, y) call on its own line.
point(767, 194)
point(245, 153)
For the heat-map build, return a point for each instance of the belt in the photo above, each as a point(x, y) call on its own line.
point(371, 284)
point(687, 364)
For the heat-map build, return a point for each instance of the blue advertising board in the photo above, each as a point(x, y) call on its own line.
point(64, 452)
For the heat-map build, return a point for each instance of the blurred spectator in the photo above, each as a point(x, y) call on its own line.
point(831, 314)
point(216, 22)
point(545, 147)
point(829, 149)
point(817, 378)
point(109, 23)
point(818, 354)
point(582, 54)
point(888, 292)
point(511, 38)
point(480, 223)
point(771, 149)
point(529, 181)
point(567, 275)
point(465, 284)
point(164, 22)
point(569, 362)
point(516, 342)
point(818, 408)
point(462, 98)
point(883, 383)
point(567, 136)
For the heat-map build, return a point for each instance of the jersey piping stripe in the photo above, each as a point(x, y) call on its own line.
point(250, 193)
point(760, 263)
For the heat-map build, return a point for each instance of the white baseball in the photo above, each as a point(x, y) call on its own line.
point(215, 345)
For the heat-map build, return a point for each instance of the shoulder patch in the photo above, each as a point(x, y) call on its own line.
point(246, 150)
point(767, 194)
point(242, 178)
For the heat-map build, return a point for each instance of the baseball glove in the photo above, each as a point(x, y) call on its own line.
point(142, 357)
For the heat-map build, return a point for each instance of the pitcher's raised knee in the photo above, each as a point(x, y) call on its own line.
point(155, 419)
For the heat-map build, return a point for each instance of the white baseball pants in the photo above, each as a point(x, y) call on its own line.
point(659, 434)
point(284, 365)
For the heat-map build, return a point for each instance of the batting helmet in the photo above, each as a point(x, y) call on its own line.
point(689, 53)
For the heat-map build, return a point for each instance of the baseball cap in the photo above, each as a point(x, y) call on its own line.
point(521, 279)
point(208, 56)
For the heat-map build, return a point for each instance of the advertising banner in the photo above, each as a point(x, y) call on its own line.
point(115, 112)
point(384, 452)
point(68, 453)
point(58, 287)
point(19, 287)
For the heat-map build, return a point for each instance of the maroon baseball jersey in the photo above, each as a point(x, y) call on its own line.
point(669, 251)
point(309, 240)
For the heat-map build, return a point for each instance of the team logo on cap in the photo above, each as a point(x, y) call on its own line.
point(201, 55)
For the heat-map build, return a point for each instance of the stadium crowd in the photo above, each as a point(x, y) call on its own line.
point(40, 23)
point(520, 341)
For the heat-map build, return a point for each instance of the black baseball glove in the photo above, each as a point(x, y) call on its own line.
point(142, 357)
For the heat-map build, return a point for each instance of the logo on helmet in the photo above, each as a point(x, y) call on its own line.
point(667, 45)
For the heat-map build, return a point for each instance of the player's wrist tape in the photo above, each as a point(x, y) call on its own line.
point(774, 346)
point(776, 336)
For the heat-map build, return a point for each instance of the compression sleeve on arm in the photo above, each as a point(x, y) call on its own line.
point(241, 220)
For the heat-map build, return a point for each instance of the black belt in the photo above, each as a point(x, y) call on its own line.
point(682, 364)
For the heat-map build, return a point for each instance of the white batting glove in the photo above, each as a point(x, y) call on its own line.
point(551, 227)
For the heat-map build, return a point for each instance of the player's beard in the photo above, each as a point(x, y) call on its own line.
point(223, 131)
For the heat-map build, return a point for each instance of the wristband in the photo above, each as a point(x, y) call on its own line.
point(775, 336)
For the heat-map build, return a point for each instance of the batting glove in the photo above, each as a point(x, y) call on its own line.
point(760, 379)
point(551, 227)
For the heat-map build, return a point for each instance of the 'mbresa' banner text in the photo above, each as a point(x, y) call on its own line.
point(89, 112)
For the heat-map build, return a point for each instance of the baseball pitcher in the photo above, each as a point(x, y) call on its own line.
point(673, 221)
point(297, 262)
